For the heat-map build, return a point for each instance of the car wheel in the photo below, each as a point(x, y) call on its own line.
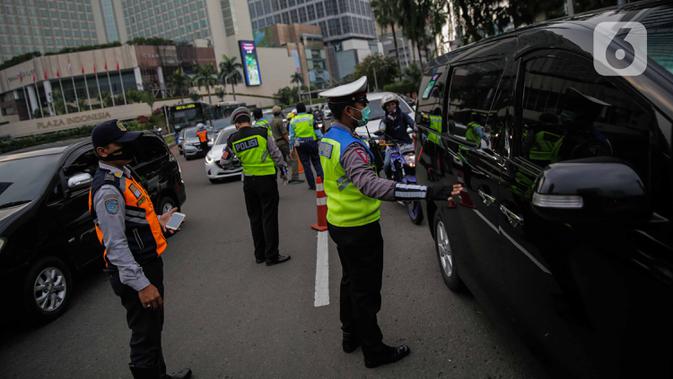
point(446, 256)
point(166, 203)
point(47, 288)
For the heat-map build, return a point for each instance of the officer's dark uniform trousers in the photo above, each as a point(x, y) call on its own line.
point(145, 324)
point(361, 253)
point(261, 201)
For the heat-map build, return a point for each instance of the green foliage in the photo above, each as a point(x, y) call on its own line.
point(230, 72)
point(84, 48)
point(220, 93)
point(11, 144)
point(384, 68)
point(287, 96)
point(297, 78)
point(195, 96)
point(405, 87)
point(19, 59)
point(178, 82)
point(205, 76)
point(151, 41)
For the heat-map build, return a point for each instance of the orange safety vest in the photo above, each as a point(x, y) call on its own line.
point(143, 232)
point(203, 136)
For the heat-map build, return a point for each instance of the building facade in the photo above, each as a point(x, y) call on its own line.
point(347, 26)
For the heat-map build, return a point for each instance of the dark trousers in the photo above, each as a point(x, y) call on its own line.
point(261, 201)
point(308, 153)
point(204, 147)
point(145, 324)
point(361, 254)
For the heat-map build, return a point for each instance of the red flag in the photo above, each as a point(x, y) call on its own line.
point(117, 66)
point(82, 69)
point(58, 73)
point(34, 77)
point(94, 68)
point(45, 74)
point(106, 66)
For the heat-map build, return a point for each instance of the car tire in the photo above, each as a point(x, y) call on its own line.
point(166, 203)
point(446, 256)
point(47, 289)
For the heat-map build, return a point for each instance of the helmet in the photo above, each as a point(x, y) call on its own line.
point(290, 115)
point(200, 125)
point(276, 109)
point(388, 98)
point(239, 113)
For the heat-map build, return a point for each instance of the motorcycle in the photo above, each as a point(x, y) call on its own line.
point(403, 170)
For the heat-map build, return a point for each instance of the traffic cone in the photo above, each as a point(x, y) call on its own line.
point(321, 203)
point(300, 168)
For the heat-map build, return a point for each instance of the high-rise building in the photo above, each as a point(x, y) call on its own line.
point(347, 26)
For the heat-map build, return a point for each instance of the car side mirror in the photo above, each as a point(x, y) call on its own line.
point(79, 180)
point(591, 190)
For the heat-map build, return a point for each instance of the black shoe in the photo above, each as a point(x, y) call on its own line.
point(185, 373)
point(350, 342)
point(385, 354)
point(296, 181)
point(278, 259)
point(260, 260)
point(145, 372)
point(311, 188)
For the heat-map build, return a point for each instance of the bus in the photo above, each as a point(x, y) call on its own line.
point(189, 114)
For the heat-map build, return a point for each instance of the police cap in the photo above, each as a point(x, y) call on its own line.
point(354, 92)
point(111, 131)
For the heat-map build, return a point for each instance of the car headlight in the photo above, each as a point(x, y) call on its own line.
point(410, 160)
point(209, 159)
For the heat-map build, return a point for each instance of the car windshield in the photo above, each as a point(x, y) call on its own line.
point(190, 133)
point(378, 112)
point(222, 137)
point(25, 179)
point(660, 44)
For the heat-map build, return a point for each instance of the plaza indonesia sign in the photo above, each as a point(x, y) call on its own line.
point(73, 120)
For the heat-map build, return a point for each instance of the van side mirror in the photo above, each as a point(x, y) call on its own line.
point(79, 180)
point(599, 189)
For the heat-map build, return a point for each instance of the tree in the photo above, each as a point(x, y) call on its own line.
point(287, 95)
point(194, 96)
point(179, 82)
point(220, 93)
point(297, 78)
point(385, 12)
point(205, 76)
point(378, 68)
point(149, 99)
point(230, 73)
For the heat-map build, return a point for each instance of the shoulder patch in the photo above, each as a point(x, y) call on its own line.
point(362, 154)
point(112, 206)
point(325, 149)
point(136, 192)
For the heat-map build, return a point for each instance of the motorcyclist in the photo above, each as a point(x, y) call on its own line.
point(395, 125)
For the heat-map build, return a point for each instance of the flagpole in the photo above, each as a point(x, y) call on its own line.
point(25, 97)
point(65, 102)
point(86, 86)
point(75, 90)
point(37, 93)
point(122, 83)
point(100, 95)
point(109, 83)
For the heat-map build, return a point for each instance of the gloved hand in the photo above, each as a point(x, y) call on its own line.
point(283, 174)
point(443, 192)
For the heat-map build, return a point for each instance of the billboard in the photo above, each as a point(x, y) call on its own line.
point(250, 63)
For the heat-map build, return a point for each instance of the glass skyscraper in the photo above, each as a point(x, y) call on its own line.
point(178, 20)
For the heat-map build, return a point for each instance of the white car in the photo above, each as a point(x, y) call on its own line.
point(214, 170)
point(377, 113)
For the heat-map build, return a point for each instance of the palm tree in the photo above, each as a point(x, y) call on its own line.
point(179, 82)
point(385, 12)
point(230, 73)
point(205, 76)
point(297, 78)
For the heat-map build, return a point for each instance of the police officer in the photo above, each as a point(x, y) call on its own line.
point(257, 153)
point(304, 136)
point(260, 121)
point(353, 193)
point(133, 237)
point(202, 133)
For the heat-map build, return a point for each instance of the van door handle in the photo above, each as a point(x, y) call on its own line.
point(486, 199)
point(514, 219)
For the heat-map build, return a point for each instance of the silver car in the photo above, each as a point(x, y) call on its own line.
point(214, 170)
point(189, 144)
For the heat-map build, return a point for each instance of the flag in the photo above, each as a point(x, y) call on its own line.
point(58, 73)
point(34, 78)
point(45, 74)
point(117, 66)
point(106, 66)
point(82, 69)
point(94, 68)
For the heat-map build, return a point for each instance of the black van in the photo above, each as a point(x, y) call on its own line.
point(46, 232)
point(565, 229)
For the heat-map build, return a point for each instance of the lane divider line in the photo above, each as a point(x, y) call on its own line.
point(321, 295)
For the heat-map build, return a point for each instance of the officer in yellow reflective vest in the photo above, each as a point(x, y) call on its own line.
point(304, 135)
point(132, 236)
point(436, 126)
point(259, 156)
point(353, 193)
point(260, 122)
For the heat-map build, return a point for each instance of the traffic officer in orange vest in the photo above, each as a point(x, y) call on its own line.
point(133, 237)
point(353, 193)
point(202, 133)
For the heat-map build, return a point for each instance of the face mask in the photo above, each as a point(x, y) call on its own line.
point(124, 154)
point(364, 118)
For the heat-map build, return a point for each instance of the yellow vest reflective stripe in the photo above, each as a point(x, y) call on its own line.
point(264, 124)
point(346, 205)
point(253, 153)
point(303, 126)
point(435, 125)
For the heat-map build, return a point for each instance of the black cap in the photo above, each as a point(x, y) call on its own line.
point(112, 131)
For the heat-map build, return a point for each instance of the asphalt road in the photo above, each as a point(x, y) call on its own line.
point(229, 317)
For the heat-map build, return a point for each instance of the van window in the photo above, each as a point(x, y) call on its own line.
point(471, 94)
point(570, 112)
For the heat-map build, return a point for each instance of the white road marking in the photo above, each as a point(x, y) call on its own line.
point(321, 296)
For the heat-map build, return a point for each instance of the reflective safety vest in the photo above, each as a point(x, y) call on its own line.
point(143, 231)
point(346, 205)
point(303, 126)
point(262, 123)
point(253, 153)
point(203, 135)
point(435, 125)
point(471, 132)
point(546, 147)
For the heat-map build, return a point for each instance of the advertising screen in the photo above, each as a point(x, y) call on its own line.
point(250, 63)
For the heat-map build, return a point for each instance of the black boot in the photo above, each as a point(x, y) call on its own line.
point(384, 354)
point(145, 372)
point(185, 373)
point(350, 342)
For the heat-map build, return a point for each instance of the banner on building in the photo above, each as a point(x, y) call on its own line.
point(250, 62)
